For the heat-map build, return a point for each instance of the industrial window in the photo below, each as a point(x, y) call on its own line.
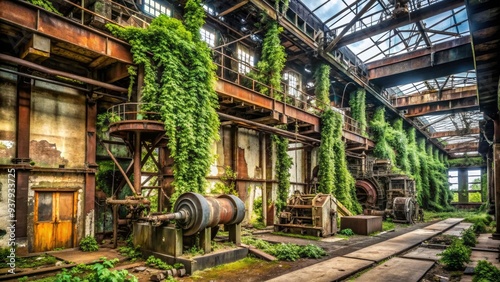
point(209, 10)
point(208, 37)
point(292, 82)
point(246, 60)
point(154, 8)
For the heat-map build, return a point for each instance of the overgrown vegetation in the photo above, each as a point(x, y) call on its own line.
point(485, 271)
point(322, 86)
point(45, 4)
point(272, 60)
point(289, 252)
point(179, 75)
point(160, 264)
point(334, 176)
point(414, 158)
point(282, 170)
point(469, 237)
point(99, 272)
point(455, 256)
point(346, 232)
point(227, 184)
point(357, 102)
point(466, 161)
point(29, 262)
point(89, 244)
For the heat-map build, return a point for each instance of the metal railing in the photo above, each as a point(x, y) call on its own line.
point(134, 111)
point(227, 69)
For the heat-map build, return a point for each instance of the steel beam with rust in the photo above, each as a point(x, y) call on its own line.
point(450, 94)
point(461, 132)
point(39, 21)
point(441, 59)
point(462, 147)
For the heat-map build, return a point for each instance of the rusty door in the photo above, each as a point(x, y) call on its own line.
point(54, 220)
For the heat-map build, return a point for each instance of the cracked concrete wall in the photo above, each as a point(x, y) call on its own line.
point(58, 118)
point(8, 104)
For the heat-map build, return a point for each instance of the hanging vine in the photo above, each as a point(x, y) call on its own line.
point(45, 4)
point(179, 75)
point(282, 170)
point(345, 190)
point(322, 86)
point(333, 175)
point(396, 138)
point(379, 129)
point(326, 158)
point(357, 103)
point(414, 163)
point(272, 61)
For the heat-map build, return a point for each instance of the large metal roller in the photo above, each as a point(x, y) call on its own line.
point(194, 212)
point(404, 209)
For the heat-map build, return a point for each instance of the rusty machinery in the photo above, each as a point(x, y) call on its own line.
point(312, 214)
point(382, 192)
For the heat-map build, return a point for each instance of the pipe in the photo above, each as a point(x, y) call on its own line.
point(128, 202)
point(37, 67)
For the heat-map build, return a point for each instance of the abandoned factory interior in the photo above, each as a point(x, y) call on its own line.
point(249, 140)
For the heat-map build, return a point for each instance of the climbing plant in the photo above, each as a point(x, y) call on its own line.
point(396, 138)
point(333, 175)
point(179, 76)
point(414, 162)
point(272, 60)
point(282, 170)
point(326, 159)
point(357, 103)
point(379, 129)
point(322, 86)
point(345, 189)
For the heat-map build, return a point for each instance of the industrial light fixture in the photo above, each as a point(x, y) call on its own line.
point(307, 68)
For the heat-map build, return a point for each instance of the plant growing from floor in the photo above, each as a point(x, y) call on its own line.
point(485, 271)
point(469, 237)
point(89, 244)
point(322, 86)
point(158, 263)
point(179, 75)
point(346, 232)
point(455, 256)
point(282, 170)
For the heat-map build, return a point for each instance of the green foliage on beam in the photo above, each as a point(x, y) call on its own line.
point(466, 161)
point(45, 4)
point(179, 76)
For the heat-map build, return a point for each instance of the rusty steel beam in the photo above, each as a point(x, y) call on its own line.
point(444, 107)
point(233, 8)
point(393, 23)
point(229, 89)
point(37, 20)
point(461, 132)
point(450, 94)
point(441, 59)
point(462, 147)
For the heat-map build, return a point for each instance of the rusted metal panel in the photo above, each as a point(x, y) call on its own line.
point(455, 132)
point(464, 104)
point(462, 147)
point(60, 28)
point(434, 97)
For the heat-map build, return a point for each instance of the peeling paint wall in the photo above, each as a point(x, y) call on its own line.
point(8, 104)
point(57, 126)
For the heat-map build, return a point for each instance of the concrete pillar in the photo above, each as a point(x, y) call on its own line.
point(463, 187)
point(496, 172)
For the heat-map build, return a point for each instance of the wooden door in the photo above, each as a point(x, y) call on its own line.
point(54, 220)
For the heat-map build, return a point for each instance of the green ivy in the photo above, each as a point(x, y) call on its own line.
point(179, 75)
point(272, 61)
point(282, 170)
point(380, 130)
point(45, 4)
point(333, 175)
point(357, 103)
point(326, 155)
point(322, 86)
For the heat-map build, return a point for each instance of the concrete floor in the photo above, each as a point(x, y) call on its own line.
point(382, 264)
